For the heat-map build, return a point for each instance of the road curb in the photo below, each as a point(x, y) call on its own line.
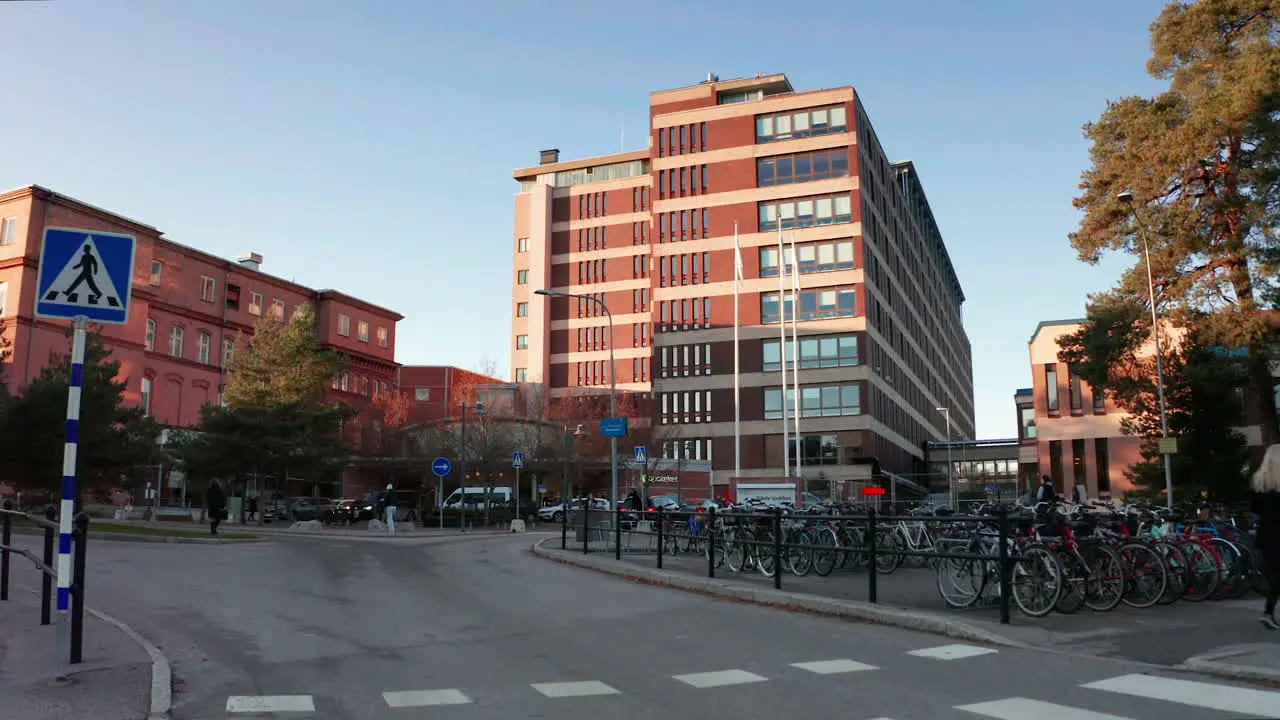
point(850, 609)
point(1214, 664)
point(130, 537)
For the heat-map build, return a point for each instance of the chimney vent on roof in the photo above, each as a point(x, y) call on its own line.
point(252, 260)
point(712, 77)
point(549, 157)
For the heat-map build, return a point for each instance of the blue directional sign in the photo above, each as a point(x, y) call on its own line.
point(85, 273)
point(517, 459)
point(613, 427)
point(441, 466)
point(642, 455)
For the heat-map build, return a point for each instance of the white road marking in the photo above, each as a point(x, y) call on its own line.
point(425, 698)
point(719, 678)
point(585, 688)
point(270, 703)
point(833, 667)
point(1019, 708)
point(1224, 698)
point(952, 652)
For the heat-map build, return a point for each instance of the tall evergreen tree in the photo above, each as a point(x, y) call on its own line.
point(282, 364)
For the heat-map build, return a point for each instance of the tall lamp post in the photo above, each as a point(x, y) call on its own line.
point(613, 385)
point(951, 466)
point(478, 410)
point(1126, 198)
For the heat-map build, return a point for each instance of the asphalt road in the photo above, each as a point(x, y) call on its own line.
point(309, 628)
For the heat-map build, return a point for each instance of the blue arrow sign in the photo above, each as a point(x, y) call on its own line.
point(517, 459)
point(441, 466)
point(85, 273)
point(642, 455)
point(613, 427)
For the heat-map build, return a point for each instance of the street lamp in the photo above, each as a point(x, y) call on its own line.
point(613, 385)
point(564, 480)
point(1126, 198)
point(478, 410)
point(951, 482)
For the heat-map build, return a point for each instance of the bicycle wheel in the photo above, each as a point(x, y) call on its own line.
point(766, 560)
point(1179, 572)
point(826, 550)
point(888, 555)
point(1075, 577)
point(1146, 575)
point(961, 582)
point(1106, 578)
point(1037, 581)
point(1204, 568)
point(799, 553)
point(735, 550)
point(1233, 572)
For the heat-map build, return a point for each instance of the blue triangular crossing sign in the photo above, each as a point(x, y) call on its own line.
point(85, 273)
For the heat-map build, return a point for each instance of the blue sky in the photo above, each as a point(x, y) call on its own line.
point(368, 146)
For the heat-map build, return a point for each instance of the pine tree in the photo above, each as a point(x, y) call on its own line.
point(282, 364)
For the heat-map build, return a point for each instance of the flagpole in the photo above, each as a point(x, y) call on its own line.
point(795, 353)
point(782, 348)
point(737, 386)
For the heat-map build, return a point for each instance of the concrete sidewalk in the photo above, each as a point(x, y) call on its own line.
point(112, 683)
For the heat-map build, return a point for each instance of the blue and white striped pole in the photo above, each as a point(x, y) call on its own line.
point(67, 510)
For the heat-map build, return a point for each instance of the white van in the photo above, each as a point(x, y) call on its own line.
point(475, 496)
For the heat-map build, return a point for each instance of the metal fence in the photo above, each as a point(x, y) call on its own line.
point(46, 524)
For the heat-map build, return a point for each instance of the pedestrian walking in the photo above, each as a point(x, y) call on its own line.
point(253, 509)
point(216, 505)
point(1266, 506)
point(389, 501)
point(1045, 493)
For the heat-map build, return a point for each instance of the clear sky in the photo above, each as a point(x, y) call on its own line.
point(368, 146)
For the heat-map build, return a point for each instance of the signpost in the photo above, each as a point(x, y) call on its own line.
point(642, 455)
point(517, 462)
point(84, 275)
point(613, 427)
point(441, 467)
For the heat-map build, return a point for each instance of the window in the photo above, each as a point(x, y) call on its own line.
point(208, 288)
point(802, 167)
point(1073, 385)
point(202, 348)
point(1051, 386)
point(228, 353)
point(817, 304)
point(233, 297)
point(4, 297)
point(8, 230)
point(1099, 399)
point(815, 401)
point(145, 399)
point(176, 334)
point(522, 342)
point(817, 352)
point(383, 337)
point(1102, 459)
point(255, 303)
point(157, 272)
point(522, 245)
point(806, 123)
point(151, 334)
point(522, 309)
point(827, 256)
point(522, 277)
point(362, 331)
point(277, 309)
point(1078, 462)
point(805, 212)
point(817, 450)
point(1027, 422)
point(344, 325)
point(1055, 463)
point(522, 375)
point(421, 394)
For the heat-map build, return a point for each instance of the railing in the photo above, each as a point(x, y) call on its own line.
point(45, 564)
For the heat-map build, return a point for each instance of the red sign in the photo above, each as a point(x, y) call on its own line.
point(872, 490)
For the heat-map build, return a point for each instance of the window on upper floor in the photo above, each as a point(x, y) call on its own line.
point(233, 297)
point(344, 325)
point(815, 304)
point(827, 351)
point(522, 342)
point(522, 309)
point(203, 344)
point(144, 401)
point(228, 353)
point(208, 288)
point(277, 310)
point(421, 394)
point(815, 401)
point(362, 331)
point(383, 337)
point(346, 382)
point(522, 277)
point(157, 272)
point(825, 256)
point(522, 375)
point(802, 167)
point(4, 297)
point(176, 336)
point(151, 334)
point(1051, 387)
point(805, 212)
point(8, 230)
point(799, 124)
point(522, 245)
point(255, 303)
point(1027, 423)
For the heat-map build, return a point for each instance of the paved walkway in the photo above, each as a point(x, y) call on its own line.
point(112, 683)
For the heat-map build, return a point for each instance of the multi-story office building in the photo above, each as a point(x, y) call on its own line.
point(651, 233)
point(186, 312)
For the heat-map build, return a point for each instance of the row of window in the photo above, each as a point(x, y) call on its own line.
point(801, 124)
point(684, 360)
point(815, 304)
point(682, 139)
point(359, 384)
point(177, 344)
point(362, 330)
point(639, 233)
point(689, 406)
point(826, 351)
point(640, 300)
point(690, 449)
point(816, 449)
point(683, 225)
point(640, 333)
point(687, 269)
point(639, 266)
point(593, 271)
point(1075, 392)
point(593, 338)
point(805, 212)
point(818, 257)
point(639, 199)
point(815, 401)
point(1079, 463)
point(684, 314)
point(593, 372)
point(802, 167)
point(678, 182)
point(640, 369)
point(593, 205)
point(593, 238)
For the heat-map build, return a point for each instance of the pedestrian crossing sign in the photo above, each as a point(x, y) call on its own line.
point(85, 273)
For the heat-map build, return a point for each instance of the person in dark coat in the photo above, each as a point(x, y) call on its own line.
point(1266, 505)
point(1046, 493)
point(216, 505)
